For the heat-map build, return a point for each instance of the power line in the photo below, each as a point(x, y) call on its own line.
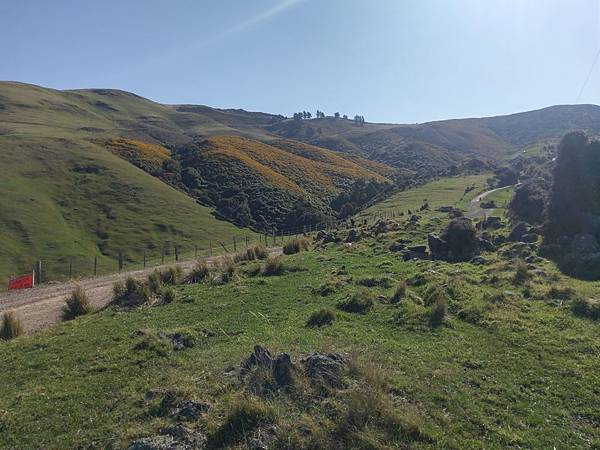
point(589, 75)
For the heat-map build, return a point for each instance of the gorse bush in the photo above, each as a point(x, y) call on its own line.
point(10, 327)
point(320, 318)
point(359, 302)
point(76, 305)
point(296, 245)
point(131, 294)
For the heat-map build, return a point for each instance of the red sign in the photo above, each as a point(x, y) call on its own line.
point(24, 282)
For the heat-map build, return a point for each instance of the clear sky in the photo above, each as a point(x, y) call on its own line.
point(389, 60)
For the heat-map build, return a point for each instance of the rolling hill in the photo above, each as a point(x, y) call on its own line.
point(96, 171)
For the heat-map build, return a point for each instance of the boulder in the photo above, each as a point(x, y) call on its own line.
point(457, 243)
point(396, 247)
point(328, 369)
point(353, 236)
point(283, 370)
point(492, 223)
point(517, 233)
point(529, 238)
point(281, 366)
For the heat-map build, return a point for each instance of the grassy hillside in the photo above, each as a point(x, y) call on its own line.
point(508, 365)
point(63, 198)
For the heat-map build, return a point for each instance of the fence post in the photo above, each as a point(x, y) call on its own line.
point(274, 241)
point(39, 271)
point(144, 258)
point(162, 256)
point(120, 261)
point(176, 253)
point(210, 247)
point(195, 252)
point(95, 265)
point(70, 268)
point(234, 244)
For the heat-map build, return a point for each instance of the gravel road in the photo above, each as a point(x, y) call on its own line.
point(40, 307)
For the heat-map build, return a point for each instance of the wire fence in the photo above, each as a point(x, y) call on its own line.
point(64, 268)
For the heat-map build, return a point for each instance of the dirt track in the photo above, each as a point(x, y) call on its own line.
point(474, 210)
point(40, 307)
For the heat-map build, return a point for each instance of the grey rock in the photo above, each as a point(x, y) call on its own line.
point(176, 437)
point(518, 232)
point(283, 370)
point(190, 410)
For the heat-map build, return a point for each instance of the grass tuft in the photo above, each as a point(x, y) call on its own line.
point(78, 304)
point(296, 245)
point(321, 318)
point(360, 302)
point(11, 326)
point(400, 292)
point(246, 415)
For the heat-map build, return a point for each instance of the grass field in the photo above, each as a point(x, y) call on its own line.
point(510, 366)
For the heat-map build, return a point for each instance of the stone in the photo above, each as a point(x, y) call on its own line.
point(353, 236)
point(283, 370)
point(176, 437)
point(396, 247)
point(326, 368)
point(492, 223)
point(261, 357)
point(178, 340)
point(518, 232)
point(190, 410)
point(457, 243)
point(529, 238)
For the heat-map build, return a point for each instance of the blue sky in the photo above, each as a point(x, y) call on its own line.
point(389, 60)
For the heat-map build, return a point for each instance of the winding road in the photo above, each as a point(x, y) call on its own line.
point(474, 210)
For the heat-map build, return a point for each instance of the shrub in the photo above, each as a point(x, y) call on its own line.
point(169, 295)
point(384, 282)
point(587, 307)
point(132, 293)
point(400, 292)
point(246, 415)
point(228, 268)
point(296, 245)
point(76, 305)
point(438, 311)
point(11, 326)
point(154, 282)
point(257, 251)
point(273, 266)
point(521, 272)
point(171, 276)
point(199, 273)
point(359, 302)
point(320, 318)
point(325, 289)
point(561, 293)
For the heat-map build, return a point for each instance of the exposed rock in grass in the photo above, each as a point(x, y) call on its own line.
point(260, 367)
point(327, 369)
point(189, 410)
point(457, 243)
point(178, 340)
point(176, 437)
point(518, 231)
point(321, 318)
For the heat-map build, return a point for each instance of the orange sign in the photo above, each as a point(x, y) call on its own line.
point(24, 282)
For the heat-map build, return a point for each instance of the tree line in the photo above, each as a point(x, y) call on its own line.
point(306, 115)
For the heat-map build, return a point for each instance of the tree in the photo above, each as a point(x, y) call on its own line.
point(345, 116)
point(337, 115)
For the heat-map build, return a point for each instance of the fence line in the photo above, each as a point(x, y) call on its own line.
point(65, 268)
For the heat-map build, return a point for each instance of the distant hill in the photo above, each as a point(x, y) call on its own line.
point(101, 170)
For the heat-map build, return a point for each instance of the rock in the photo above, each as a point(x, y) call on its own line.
point(353, 236)
point(518, 232)
point(261, 357)
point(396, 247)
point(263, 438)
point(190, 410)
point(445, 209)
point(518, 250)
point(532, 259)
point(499, 240)
point(457, 243)
point(178, 340)
point(529, 238)
point(414, 219)
point(326, 368)
point(176, 437)
point(479, 260)
point(283, 370)
point(492, 223)
point(486, 245)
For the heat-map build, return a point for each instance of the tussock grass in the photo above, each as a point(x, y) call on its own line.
point(274, 266)
point(400, 292)
point(171, 275)
point(200, 272)
point(10, 327)
point(296, 245)
point(359, 302)
point(587, 307)
point(521, 272)
point(78, 304)
point(320, 318)
point(155, 283)
point(130, 294)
